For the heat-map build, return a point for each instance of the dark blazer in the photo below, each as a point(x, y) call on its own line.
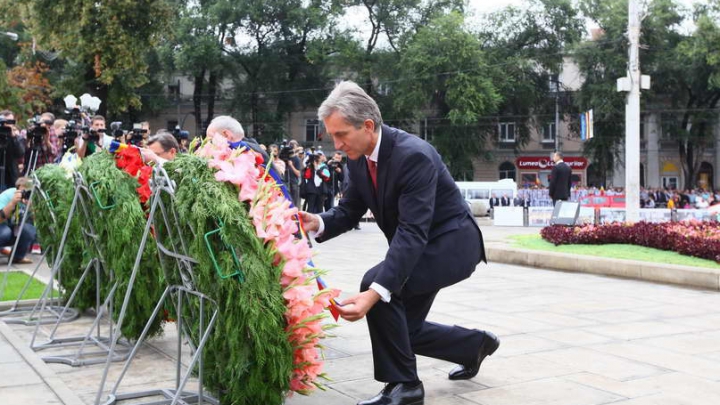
point(433, 237)
point(505, 201)
point(560, 182)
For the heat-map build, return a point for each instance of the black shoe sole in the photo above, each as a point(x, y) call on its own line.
point(492, 349)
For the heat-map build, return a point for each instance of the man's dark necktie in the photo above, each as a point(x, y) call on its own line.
point(372, 169)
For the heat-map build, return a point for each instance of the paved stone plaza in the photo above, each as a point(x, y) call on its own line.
point(566, 339)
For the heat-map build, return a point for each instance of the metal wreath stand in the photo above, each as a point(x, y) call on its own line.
point(84, 197)
point(181, 291)
point(31, 314)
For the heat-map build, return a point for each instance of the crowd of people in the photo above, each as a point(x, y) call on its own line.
point(697, 198)
point(314, 182)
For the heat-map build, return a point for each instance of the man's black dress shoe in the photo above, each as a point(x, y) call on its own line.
point(398, 394)
point(488, 346)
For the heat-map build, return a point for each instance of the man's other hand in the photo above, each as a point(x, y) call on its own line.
point(311, 222)
point(148, 155)
point(355, 308)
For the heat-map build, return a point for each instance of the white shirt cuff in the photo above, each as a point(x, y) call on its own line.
point(321, 229)
point(382, 291)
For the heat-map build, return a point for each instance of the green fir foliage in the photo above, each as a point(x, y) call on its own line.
point(248, 359)
point(120, 229)
point(50, 220)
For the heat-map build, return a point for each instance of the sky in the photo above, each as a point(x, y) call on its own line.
point(475, 7)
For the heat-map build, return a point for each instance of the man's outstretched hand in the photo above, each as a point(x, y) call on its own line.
point(311, 222)
point(355, 308)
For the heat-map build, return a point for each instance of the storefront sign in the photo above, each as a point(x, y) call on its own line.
point(543, 163)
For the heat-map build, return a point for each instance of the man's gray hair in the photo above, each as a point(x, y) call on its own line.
point(351, 101)
point(166, 141)
point(227, 122)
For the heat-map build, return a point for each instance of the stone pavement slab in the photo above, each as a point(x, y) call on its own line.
point(567, 339)
point(25, 379)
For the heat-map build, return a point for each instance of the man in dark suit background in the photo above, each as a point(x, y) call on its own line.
point(521, 201)
point(505, 201)
point(434, 243)
point(560, 179)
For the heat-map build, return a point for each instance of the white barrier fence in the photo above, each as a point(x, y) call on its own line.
point(540, 216)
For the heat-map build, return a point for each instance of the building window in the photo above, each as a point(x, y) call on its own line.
point(669, 126)
point(507, 171)
point(548, 132)
point(670, 182)
point(506, 131)
point(312, 130)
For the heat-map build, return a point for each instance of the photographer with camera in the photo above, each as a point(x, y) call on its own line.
point(12, 149)
point(182, 137)
point(10, 220)
point(95, 138)
point(294, 166)
point(137, 136)
point(337, 175)
point(42, 145)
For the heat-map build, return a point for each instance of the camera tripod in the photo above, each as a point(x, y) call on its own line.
point(31, 163)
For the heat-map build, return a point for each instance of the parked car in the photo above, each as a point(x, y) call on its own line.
point(603, 201)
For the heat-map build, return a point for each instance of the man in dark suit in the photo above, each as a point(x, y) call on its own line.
point(521, 201)
point(560, 179)
point(494, 201)
point(505, 201)
point(434, 243)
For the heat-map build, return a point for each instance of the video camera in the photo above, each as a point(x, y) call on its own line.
point(72, 129)
point(116, 130)
point(5, 131)
point(38, 129)
point(180, 134)
point(26, 194)
point(138, 135)
point(333, 164)
point(285, 152)
point(94, 134)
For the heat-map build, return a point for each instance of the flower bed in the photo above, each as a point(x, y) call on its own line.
point(691, 238)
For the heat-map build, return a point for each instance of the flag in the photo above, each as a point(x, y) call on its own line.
point(586, 125)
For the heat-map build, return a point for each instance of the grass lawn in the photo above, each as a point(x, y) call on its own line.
point(615, 251)
point(15, 283)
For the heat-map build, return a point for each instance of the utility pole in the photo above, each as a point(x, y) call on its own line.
point(557, 115)
point(632, 84)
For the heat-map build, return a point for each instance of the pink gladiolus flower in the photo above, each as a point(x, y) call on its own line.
point(274, 223)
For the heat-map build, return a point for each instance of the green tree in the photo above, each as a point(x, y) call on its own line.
point(392, 23)
point(601, 61)
point(196, 48)
point(684, 69)
point(444, 73)
point(8, 94)
point(694, 71)
point(107, 40)
point(282, 65)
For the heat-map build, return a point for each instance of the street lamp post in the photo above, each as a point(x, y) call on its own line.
point(555, 83)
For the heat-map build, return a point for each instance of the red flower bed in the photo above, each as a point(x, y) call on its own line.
point(691, 238)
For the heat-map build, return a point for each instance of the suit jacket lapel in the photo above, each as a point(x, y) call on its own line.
point(386, 144)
